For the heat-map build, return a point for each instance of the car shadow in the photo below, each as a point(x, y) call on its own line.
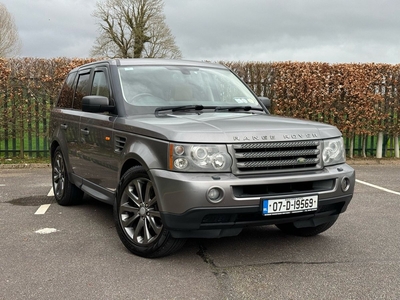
point(252, 245)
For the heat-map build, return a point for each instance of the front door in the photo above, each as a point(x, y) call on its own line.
point(99, 163)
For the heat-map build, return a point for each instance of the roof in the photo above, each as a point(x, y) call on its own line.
point(154, 62)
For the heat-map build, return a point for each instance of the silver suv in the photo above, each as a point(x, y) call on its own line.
point(186, 150)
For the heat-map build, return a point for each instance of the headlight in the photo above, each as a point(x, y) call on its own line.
point(199, 158)
point(333, 152)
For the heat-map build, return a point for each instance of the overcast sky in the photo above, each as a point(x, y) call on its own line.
point(331, 31)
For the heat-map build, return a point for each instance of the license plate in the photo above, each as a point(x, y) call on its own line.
point(289, 205)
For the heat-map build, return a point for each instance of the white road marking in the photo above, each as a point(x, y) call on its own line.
point(42, 209)
point(46, 230)
point(2, 185)
point(377, 187)
point(51, 193)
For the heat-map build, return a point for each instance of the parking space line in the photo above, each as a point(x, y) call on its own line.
point(51, 193)
point(42, 209)
point(377, 187)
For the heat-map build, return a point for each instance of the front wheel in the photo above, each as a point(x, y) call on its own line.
point(290, 228)
point(138, 219)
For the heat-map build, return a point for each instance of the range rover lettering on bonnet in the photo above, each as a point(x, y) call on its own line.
point(255, 138)
point(300, 136)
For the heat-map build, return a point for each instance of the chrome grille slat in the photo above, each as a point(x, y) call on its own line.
point(275, 163)
point(252, 158)
point(263, 154)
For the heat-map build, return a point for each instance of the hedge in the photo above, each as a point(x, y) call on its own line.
point(362, 100)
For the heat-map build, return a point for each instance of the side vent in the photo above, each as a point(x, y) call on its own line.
point(119, 143)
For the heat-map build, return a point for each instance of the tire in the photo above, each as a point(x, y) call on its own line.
point(138, 219)
point(290, 229)
point(65, 192)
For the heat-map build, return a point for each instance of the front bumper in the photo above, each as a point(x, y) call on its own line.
point(186, 212)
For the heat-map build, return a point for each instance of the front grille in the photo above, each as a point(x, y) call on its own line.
point(277, 156)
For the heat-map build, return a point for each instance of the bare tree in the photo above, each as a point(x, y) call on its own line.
point(161, 43)
point(10, 43)
point(133, 29)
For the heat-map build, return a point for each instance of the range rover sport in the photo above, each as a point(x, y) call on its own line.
point(186, 150)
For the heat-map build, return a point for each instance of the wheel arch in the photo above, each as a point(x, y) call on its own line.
point(130, 163)
point(53, 148)
point(145, 152)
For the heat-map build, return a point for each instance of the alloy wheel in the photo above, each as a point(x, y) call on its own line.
point(138, 212)
point(58, 175)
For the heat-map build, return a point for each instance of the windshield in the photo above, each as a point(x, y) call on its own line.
point(148, 87)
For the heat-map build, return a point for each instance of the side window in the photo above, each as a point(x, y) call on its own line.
point(67, 92)
point(82, 89)
point(100, 85)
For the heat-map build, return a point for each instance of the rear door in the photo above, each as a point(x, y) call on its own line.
point(72, 118)
point(66, 120)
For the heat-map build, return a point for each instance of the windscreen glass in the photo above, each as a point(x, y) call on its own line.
point(160, 86)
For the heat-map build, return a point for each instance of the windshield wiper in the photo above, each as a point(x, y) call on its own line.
point(195, 107)
point(198, 108)
point(233, 108)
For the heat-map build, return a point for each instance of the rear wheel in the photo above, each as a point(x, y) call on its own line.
point(290, 228)
point(65, 192)
point(138, 219)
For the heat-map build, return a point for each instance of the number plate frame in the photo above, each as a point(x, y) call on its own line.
point(297, 205)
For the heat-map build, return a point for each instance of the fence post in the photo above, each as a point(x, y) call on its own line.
point(396, 146)
point(379, 145)
point(364, 145)
point(351, 150)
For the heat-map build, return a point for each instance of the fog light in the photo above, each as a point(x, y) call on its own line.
point(345, 184)
point(215, 194)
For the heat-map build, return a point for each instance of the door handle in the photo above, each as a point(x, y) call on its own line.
point(64, 126)
point(85, 131)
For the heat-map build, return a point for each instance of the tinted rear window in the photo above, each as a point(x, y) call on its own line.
point(67, 92)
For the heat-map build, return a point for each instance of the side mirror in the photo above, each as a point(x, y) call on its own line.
point(96, 104)
point(266, 101)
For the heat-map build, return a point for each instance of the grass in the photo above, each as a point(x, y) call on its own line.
point(25, 160)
